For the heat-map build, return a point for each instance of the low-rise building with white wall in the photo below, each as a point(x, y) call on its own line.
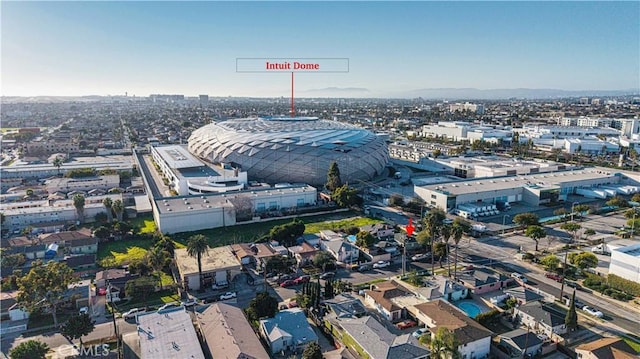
point(82, 184)
point(625, 262)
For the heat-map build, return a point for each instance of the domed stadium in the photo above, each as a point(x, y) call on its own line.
point(299, 149)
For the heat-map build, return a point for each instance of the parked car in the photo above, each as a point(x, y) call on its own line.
point(365, 267)
point(287, 283)
point(169, 305)
point(282, 278)
point(554, 276)
point(227, 295)
point(190, 302)
point(84, 310)
point(420, 332)
point(381, 264)
point(520, 277)
point(132, 313)
point(421, 257)
point(302, 279)
point(567, 301)
point(406, 324)
point(220, 285)
point(327, 275)
point(573, 284)
point(593, 311)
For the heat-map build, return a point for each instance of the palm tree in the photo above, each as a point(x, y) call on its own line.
point(118, 208)
point(58, 163)
point(197, 245)
point(108, 203)
point(157, 257)
point(457, 231)
point(433, 223)
point(446, 232)
point(78, 202)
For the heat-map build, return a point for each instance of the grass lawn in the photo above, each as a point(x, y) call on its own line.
point(154, 300)
point(125, 251)
point(253, 231)
point(145, 223)
point(633, 344)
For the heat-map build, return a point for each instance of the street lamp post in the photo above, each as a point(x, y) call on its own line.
point(504, 219)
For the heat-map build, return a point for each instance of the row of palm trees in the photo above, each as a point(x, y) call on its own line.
point(111, 206)
point(436, 229)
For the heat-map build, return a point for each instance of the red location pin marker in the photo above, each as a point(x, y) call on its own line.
point(409, 228)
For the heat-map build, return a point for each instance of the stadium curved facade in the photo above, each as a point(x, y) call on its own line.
point(296, 149)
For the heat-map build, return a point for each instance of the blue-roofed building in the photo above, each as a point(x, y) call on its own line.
point(287, 331)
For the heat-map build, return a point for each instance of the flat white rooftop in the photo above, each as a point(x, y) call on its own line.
point(216, 259)
point(168, 335)
point(178, 157)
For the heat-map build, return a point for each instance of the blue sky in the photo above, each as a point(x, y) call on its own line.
point(82, 48)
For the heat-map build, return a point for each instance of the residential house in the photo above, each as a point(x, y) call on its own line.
point(520, 343)
point(227, 334)
point(345, 306)
point(31, 248)
point(483, 280)
point(380, 296)
point(9, 307)
point(78, 294)
point(75, 242)
point(116, 277)
point(474, 339)
point(374, 340)
point(606, 348)
point(311, 238)
point(252, 253)
point(379, 230)
point(303, 253)
point(441, 287)
point(287, 331)
point(342, 251)
point(82, 261)
point(523, 295)
point(329, 235)
point(218, 267)
point(541, 317)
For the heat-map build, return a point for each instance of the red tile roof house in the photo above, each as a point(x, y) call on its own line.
point(379, 296)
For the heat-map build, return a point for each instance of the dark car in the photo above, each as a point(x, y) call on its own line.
point(573, 284)
point(284, 278)
point(327, 275)
point(287, 283)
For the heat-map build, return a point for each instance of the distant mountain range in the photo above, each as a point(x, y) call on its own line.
point(519, 93)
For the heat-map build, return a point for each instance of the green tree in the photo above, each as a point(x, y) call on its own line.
point(396, 200)
point(584, 260)
point(636, 197)
point(322, 260)
point(560, 212)
point(346, 196)
point(526, 219)
point(460, 227)
point(445, 233)
point(78, 326)
point(536, 233)
point(165, 242)
point(444, 345)
point(288, 233)
point(78, 202)
point(312, 351)
point(102, 233)
point(588, 232)
point(57, 162)
point(571, 319)
point(31, 349)
point(197, 246)
point(277, 263)
point(432, 223)
point(365, 239)
point(140, 289)
point(158, 258)
point(440, 250)
point(118, 208)
point(550, 262)
point(45, 286)
point(436, 153)
point(618, 201)
point(263, 305)
point(108, 204)
point(333, 178)
point(571, 227)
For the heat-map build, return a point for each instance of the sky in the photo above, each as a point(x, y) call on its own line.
point(190, 48)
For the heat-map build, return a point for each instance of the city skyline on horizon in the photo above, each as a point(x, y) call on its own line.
point(394, 49)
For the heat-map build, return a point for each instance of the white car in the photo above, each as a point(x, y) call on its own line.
point(593, 311)
point(227, 295)
point(518, 276)
point(84, 310)
point(420, 332)
point(133, 313)
point(169, 305)
point(190, 302)
point(419, 257)
point(381, 264)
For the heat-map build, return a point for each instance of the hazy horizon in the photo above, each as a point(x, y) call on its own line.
point(395, 49)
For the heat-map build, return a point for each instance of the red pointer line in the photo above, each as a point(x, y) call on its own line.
point(293, 112)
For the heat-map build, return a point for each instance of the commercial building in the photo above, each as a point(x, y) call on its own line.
point(465, 131)
point(625, 262)
point(534, 189)
point(82, 184)
point(188, 175)
point(192, 213)
point(219, 265)
point(495, 166)
point(48, 147)
point(301, 149)
point(45, 170)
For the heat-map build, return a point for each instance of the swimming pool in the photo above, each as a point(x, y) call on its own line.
point(469, 307)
